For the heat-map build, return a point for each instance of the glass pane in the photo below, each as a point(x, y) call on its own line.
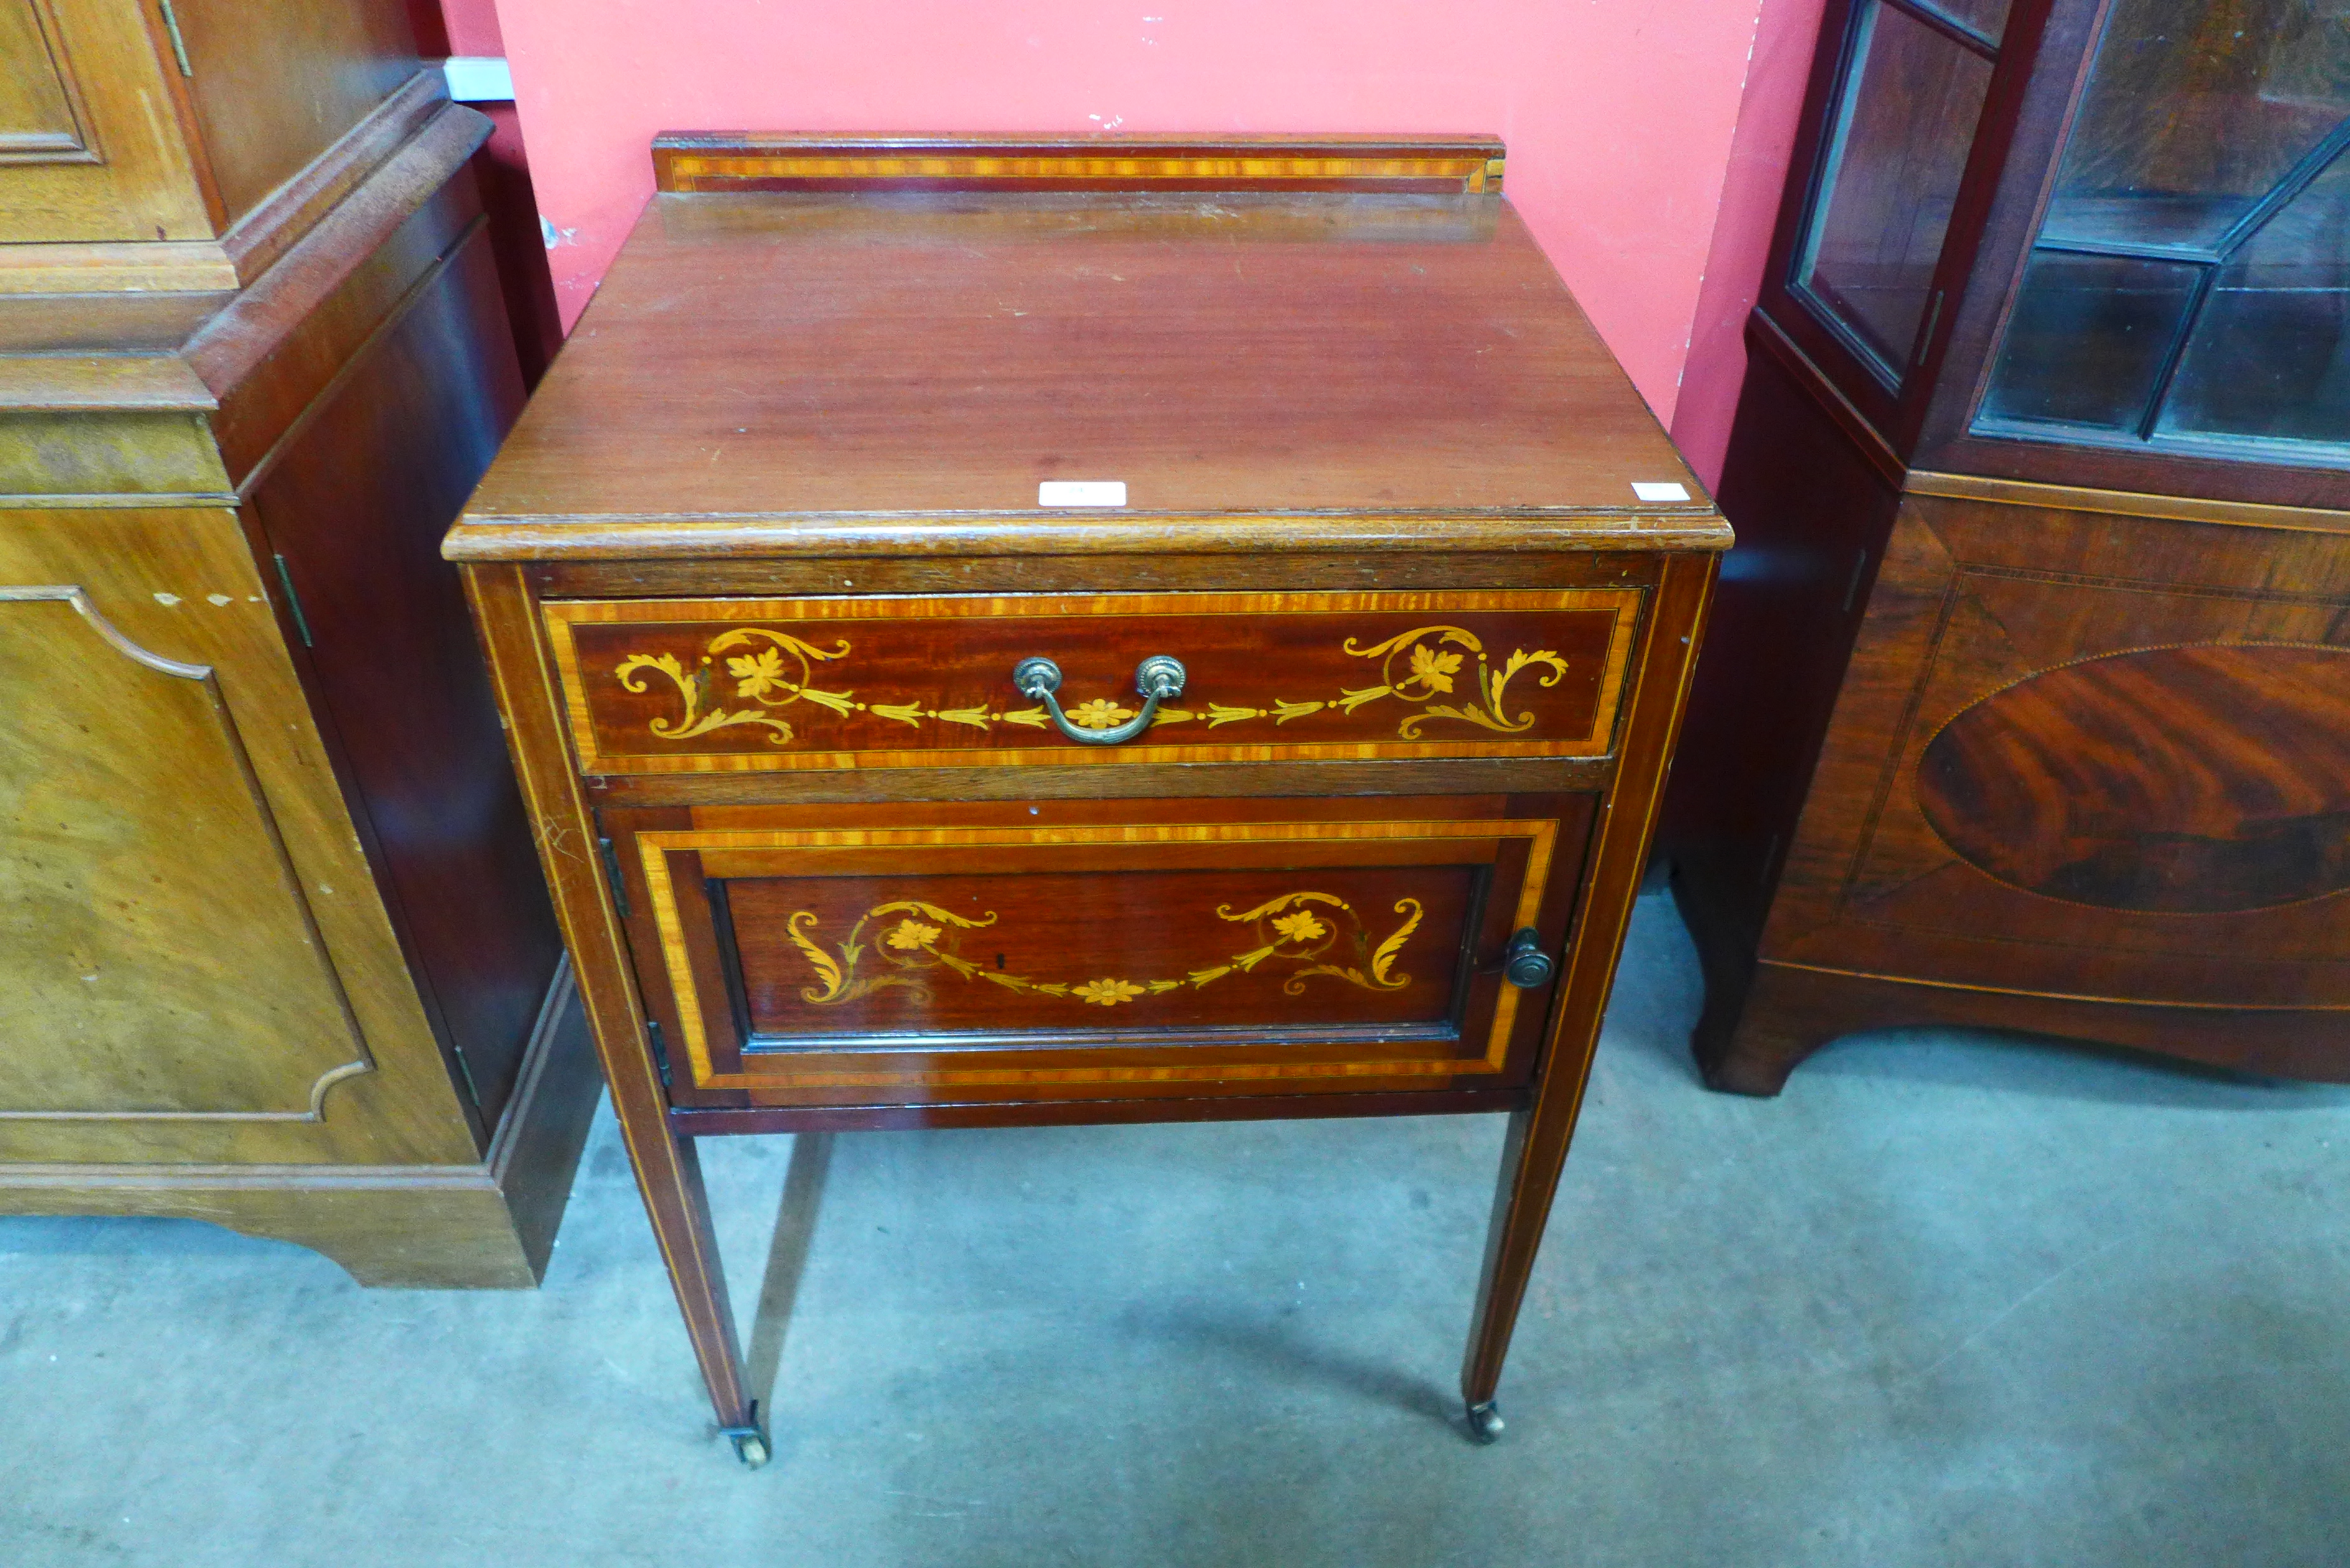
point(2088, 339)
point(2193, 112)
point(2270, 354)
point(1897, 146)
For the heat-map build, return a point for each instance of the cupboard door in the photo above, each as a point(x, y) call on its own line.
point(91, 145)
point(807, 956)
point(157, 956)
point(195, 963)
point(2090, 756)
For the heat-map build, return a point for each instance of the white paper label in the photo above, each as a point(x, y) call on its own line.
point(1081, 493)
point(1648, 491)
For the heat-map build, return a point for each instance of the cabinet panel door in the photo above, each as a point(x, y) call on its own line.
point(827, 955)
point(156, 954)
point(42, 117)
point(195, 963)
point(2088, 755)
point(92, 147)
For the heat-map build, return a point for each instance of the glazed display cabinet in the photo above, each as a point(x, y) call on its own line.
point(2028, 697)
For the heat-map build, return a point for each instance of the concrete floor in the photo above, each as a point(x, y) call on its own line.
point(1952, 1300)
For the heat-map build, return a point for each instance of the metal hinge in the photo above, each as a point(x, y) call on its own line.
point(661, 1048)
point(612, 874)
point(1852, 588)
point(293, 602)
point(179, 45)
point(1925, 331)
point(465, 1071)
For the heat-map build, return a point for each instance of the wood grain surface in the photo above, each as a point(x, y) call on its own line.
point(134, 825)
point(563, 832)
point(2093, 758)
point(893, 354)
point(131, 767)
point(104, 154)
point(352, 505)
point(2063, 774)
point(1306, 560)
point(1535, 1149)
point(2194, 779)
point(489, 1225)
point(1791, 1010)
point(698, 1121)
point(278, 83)
point(109, 140)
point(93, 288)
point(1980, 606)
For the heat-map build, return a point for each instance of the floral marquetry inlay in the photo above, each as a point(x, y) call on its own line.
point(717, 685)
point(774, 671)
point(1303, 933)
point(763, 678)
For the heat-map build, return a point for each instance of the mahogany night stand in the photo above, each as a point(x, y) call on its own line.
point(1000, 632)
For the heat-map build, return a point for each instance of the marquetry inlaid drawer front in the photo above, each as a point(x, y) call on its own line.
point(1300, 946)
point(714, 685)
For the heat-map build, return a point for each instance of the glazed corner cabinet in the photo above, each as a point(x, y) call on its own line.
point(2029, 704)
point(273, 948)
point(1000, 632)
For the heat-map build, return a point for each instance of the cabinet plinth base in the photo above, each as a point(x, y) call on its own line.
point(488, 1226)
point(1790, 1011)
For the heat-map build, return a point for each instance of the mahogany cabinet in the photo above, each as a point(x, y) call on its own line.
point(1012, 632)
point(184, 142)
point(273, 948)
point(2028, 700)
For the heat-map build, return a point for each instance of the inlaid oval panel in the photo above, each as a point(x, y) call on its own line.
point(2195, 780)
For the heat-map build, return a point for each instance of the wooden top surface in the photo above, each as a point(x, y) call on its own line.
point(816, 367)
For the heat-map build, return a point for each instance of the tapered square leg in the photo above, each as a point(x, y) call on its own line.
point(1532, 1154)
point(668, 1169)
point(669, 1173)
point(1534, 1151)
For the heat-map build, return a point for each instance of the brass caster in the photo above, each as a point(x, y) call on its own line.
point(1484, 1423)
point(750, 1441)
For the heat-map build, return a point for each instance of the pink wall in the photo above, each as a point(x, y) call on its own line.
point(1618, 113)
point(471, 27)
point(1758, 155)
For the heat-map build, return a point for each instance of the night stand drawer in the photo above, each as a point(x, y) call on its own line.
point(729, 684)
point(830, 955)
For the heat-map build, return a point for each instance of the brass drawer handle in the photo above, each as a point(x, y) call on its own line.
point(1524, 964)
point(1157, 677)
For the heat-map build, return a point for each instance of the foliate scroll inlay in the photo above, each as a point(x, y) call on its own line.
point(759, 674)
point(1305, 933)
point(1427, 669)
